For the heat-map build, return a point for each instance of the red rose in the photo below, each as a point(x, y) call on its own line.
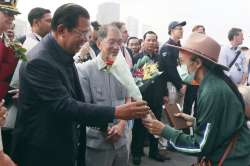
point(139, 73)
point(109, 62)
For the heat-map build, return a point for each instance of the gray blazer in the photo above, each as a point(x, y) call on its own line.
point(100, 87)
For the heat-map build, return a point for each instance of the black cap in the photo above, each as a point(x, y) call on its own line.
point(174, 24)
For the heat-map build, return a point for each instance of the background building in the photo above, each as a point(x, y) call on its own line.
point(133, 26)
point(21, 27)
point(108, 12)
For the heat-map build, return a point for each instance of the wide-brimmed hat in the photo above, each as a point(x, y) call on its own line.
point(9, 5)
point(203, 46)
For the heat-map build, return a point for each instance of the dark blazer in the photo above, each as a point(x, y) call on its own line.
point(155, 92)
point(51, 109)
point(168, 61)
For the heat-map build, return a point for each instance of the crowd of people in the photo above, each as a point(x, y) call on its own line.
point(75, 92)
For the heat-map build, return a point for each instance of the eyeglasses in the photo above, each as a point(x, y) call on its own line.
point(113, 42)
point(85, 34)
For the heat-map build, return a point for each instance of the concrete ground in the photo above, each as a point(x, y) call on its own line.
point(177, 159)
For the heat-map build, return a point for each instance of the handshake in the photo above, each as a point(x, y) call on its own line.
point(132, 110)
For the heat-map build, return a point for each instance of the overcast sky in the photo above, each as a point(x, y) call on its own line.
point(218, 16)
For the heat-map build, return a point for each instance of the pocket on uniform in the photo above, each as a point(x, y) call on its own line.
point(99, 94)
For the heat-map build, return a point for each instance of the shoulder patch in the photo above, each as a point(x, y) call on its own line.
point(164, 54)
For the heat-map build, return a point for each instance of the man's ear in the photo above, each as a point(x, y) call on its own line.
point(61, 30)
point(35, 22)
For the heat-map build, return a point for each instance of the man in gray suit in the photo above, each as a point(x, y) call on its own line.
point(105, 147)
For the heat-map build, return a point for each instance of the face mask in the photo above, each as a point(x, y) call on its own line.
point(184, 74)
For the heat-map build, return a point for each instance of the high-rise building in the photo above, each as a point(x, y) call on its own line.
point(20, 27)
point(146, 28)
point(108, 12)
point(133, 26)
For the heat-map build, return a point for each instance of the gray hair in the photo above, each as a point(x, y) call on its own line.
point(102, 33)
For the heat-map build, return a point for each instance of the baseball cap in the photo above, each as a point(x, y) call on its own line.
point(174, 24)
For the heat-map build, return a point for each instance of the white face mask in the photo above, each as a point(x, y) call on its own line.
point(184, 74)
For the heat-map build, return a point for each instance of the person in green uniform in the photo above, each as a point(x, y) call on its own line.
point(220, 109)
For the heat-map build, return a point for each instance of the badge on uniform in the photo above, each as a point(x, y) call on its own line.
point(164, 54)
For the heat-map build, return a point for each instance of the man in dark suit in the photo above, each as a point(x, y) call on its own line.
point(50, 127)
point(153, 94)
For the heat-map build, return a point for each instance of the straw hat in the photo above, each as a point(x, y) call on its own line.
point(203, 46)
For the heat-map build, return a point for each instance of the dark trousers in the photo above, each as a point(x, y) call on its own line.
point(7, 140)
point(190, 98)
point(139, 133)
point(28, 155)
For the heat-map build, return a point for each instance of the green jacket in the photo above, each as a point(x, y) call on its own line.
point(219, 116)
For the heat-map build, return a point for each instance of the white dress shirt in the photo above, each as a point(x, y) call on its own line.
point(227, 55)
point(32, 39)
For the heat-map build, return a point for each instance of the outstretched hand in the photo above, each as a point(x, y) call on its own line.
point(154, 126)
point(137, 109)
point(189, 119)
point(5, 160)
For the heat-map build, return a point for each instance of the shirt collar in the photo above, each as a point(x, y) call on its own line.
point(151, 56)
point(171, 41)
point(34, 36)
point(100, 62)
point(38, 37)
point(234, 48)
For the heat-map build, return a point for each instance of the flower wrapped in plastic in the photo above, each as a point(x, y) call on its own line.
point(16, 46)
point(145, 72)
point(20, 54)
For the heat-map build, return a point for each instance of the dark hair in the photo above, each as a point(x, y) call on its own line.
point(233, 32)
point(37, 13)
point(218, 71)
point(243, 48)
point(96, 26)
point(118, 24)
point(130, 38)
point(68, 15)
point(149, 32)
point(140, 41)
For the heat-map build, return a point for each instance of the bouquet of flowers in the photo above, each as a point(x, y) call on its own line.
point(145, 72)
point(19, 51)
point(121, 71)
point(16, 46)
